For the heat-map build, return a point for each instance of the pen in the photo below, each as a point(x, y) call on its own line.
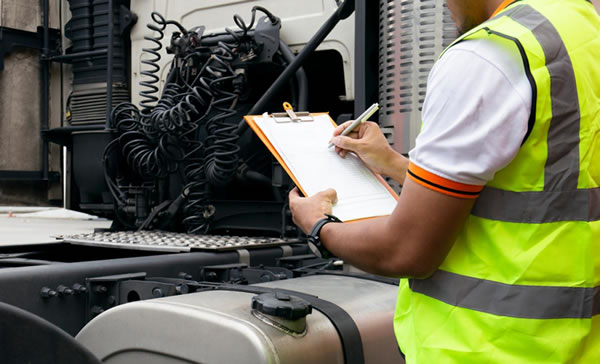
point(361, 119)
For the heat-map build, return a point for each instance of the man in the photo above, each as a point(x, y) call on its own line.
point(498, 222)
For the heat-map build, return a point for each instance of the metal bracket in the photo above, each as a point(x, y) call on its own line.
point(242, 274)
point(127, 19)
point(244, 256)
point(287, 250)
point(11, 38)
point(220, 273)
point(63, 135)
point(109, 291)
point(266, 35)
point(299, 261)
point(28, 176)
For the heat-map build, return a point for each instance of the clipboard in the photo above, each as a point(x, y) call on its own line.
point(302, 120)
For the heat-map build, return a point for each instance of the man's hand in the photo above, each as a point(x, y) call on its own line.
point(306, 211)
point(369, 143)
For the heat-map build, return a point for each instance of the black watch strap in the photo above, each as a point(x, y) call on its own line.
point(314, 241)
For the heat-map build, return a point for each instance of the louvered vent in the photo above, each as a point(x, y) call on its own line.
point(412, 34)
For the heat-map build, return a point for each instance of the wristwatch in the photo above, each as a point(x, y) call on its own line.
point(314, 241)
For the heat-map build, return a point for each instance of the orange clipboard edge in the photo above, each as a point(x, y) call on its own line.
point(250, 120)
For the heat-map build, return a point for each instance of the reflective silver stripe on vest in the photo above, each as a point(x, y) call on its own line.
point(560, 200)
point(531, 302)
point(562, 165)
point(538, 207)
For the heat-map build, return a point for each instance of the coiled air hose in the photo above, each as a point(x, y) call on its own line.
point(186, 128)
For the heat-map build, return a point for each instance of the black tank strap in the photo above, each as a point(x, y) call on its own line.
point(367, 276)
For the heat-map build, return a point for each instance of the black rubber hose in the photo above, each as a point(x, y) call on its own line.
point(342, 12)
point(301, 78)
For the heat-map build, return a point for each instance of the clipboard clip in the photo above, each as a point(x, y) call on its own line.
point(291, 115)
point(290, 111)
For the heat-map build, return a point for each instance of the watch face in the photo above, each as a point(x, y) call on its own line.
point(313, 248)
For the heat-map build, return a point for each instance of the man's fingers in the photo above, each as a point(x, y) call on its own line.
point(345, 142)
point(329, 194)
point(294, 194)
point(340, 128)
point(341, 152)
point(353, 135)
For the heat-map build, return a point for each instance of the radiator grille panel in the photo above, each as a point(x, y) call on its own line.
point(412, 34)
point(88, 102)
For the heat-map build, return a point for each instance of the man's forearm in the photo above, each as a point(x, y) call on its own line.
point(411, 242)
point(373, 246)
point(359, 244)
point(397, 167)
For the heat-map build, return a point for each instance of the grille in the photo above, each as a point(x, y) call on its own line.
point(412, 34)
point(172, 242)
point(88, 102)
point(88, 31)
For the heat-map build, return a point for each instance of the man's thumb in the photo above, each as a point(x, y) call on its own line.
point(330, 194)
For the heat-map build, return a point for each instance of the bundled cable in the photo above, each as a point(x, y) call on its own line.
point(187, 130)
point(197, 211)
point(166, 134)
point(221, 148)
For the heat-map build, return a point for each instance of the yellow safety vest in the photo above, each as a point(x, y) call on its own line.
point(522, 281)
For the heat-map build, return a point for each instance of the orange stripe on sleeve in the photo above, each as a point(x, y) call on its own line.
point(501, 7)
point(441, 184)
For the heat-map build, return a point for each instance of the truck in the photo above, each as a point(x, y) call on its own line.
point(141, 107)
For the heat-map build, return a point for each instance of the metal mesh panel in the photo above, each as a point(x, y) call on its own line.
point(172, 242)
point(412, 34)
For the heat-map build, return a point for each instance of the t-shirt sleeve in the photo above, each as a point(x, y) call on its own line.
point(475, 117)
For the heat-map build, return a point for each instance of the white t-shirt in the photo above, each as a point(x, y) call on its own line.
point(475, 114)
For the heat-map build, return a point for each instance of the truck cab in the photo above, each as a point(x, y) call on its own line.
point(174, 242)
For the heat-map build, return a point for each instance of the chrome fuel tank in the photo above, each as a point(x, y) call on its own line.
point(223, 326)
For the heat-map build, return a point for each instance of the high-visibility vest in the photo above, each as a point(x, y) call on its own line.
point(521, 283)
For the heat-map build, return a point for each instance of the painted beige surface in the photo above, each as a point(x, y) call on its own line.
point(20, 112)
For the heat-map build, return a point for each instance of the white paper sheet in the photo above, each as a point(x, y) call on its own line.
point(303, 147)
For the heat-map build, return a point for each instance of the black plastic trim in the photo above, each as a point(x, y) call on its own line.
point(530, 78)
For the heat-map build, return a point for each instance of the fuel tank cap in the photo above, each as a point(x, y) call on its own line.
point(280, 304)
